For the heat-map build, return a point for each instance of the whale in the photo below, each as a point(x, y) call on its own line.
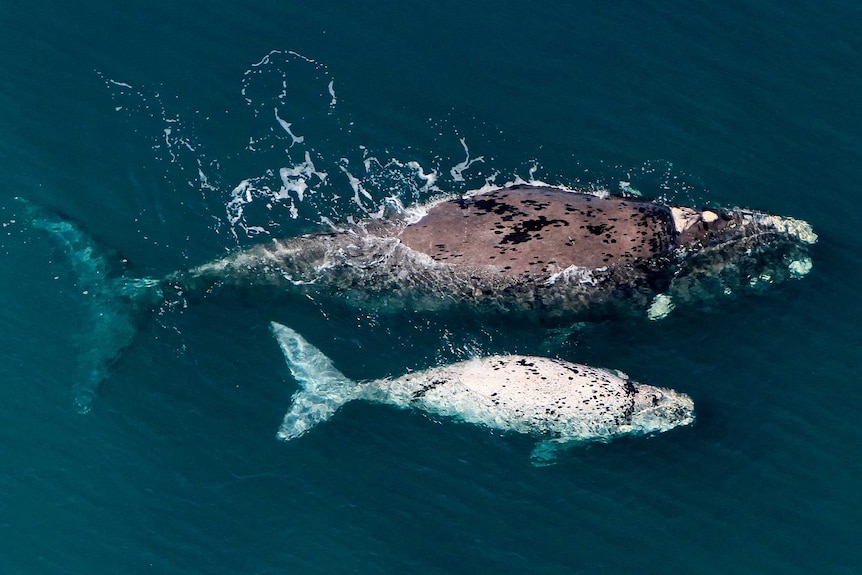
point(532, 250)
point(558, 402)
point(523, 251)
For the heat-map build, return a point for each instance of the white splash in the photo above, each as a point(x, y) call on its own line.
point(584, 276)
point(121, 84)
point(458, 169)
point(300, 179)
point(286, 126)
point(356, 186)
point(331, 89)
point(296, 178)
point(491, 185)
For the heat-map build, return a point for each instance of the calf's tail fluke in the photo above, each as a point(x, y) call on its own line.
point(323, 389)
point(113, 302)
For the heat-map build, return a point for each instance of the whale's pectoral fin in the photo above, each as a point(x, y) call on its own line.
point(662, 305)
point(324, 389)
point(545, 452)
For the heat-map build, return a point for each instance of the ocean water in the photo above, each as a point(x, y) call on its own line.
point(174, 132)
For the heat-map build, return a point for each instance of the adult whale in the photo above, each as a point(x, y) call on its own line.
point(541, 252)
point(558, 401)
point(550, 252)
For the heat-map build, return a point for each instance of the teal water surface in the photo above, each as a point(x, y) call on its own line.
point(167, 131)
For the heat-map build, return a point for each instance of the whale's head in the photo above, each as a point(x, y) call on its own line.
point(658, 409)
point(722, 253)
point(702, 228)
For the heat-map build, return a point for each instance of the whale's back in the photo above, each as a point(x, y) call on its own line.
point(524, 394)
point(541, 230)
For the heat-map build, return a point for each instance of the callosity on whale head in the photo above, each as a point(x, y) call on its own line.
point(657, 410)
point(726, 252)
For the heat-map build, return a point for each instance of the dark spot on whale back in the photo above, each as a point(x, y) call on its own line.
point(523, 231)
point(425, 388)
point(529, 230)
point(597, 230)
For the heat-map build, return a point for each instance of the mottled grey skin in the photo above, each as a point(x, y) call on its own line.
point(558, 401)
point(541, 250)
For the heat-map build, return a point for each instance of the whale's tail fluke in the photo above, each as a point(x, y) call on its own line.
point(323, 391)
point(113, 301)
